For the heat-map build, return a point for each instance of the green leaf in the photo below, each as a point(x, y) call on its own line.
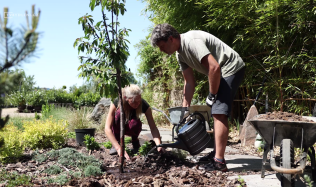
point(92, 4)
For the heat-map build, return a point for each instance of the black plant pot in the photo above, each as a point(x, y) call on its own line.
point(80, 133)
point(38, 108)
point(30, 108)
point(21, 108)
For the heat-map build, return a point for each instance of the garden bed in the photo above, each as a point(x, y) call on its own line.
point(158, 170)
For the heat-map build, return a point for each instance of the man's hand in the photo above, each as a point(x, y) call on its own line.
point(184, 113)
point(211, 99)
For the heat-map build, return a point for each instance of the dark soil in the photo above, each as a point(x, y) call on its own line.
point(286, 116)
point(157, 170)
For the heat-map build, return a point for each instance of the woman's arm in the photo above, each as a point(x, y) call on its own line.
point(153, 127)
point(108, 130)
point(108, 127)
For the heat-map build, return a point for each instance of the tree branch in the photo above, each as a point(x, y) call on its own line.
point(93, 30)
point(106, 28)
point(21, 50)
point(112, 23)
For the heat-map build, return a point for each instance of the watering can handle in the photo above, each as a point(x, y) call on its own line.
point(201, 116)
point(193, 114)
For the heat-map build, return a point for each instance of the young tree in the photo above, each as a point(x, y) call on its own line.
point(17, 45)
point(107, 43)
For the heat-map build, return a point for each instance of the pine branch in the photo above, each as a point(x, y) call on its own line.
point(6, 47)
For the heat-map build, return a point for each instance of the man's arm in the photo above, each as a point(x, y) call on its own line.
point(214, 72)
point(189, 86)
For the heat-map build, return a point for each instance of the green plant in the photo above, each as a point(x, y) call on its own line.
point(68, 157)
point(71, 135)
point(107, 145)
point(90, 143)
point(128, 140)
point(79, 119)
point(15, 179)
point(46, 110)
point(35, 98)
point(129, 151)
point(308, 181)
point(17, 98)
point(37, 117)
point(181, 154)
point(92, 171)
point(145, 148)
point(60, 179)
point(45, 134)
point(13, 144)
point(77, 174)
point(236, 121)
point(241, 180)
point(108, 43)
point(53, 170)
point(260, 149)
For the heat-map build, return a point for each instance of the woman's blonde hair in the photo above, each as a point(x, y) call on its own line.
point(130, 92)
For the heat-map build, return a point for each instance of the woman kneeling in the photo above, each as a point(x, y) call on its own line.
point(133, 106)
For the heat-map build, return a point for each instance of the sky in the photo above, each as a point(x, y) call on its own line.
point(57, 61)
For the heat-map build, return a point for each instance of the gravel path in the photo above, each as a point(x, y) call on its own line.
point(13, 112)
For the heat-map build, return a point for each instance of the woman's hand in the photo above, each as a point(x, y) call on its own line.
point(125, 154)
point(161, 149)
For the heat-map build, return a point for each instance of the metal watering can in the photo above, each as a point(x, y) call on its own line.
point(192, 137)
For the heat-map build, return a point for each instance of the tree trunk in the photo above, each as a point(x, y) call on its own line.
point(122, 119)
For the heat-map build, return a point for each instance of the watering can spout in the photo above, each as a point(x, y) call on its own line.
point(179, 145)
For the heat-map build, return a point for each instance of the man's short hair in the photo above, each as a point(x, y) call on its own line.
point(162, 32)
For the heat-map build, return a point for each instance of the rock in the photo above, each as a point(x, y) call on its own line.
point(10, 166)
point(100, 109)
point(158, 183)
point(248, 132)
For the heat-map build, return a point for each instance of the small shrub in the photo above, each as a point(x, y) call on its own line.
point(37, 117)
point(107, 145)
point(128, 140)
point(145, 148)
point(76, 174)
point(71, 135)
point(129, 152)
point(308, 181)
point(71, 157)
point(92, 171)
point(45, 134)
point(53, 170)
point(13, 147)
point(90, 143)
point(47, 109)
point(40, 158)
point(181, 154)
point(60, 179)
point(15, 179)
point(242, 181)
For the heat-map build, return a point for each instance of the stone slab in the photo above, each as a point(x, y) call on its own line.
point(272, 180)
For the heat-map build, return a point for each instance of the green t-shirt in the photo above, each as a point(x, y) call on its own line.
point(197, 44)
